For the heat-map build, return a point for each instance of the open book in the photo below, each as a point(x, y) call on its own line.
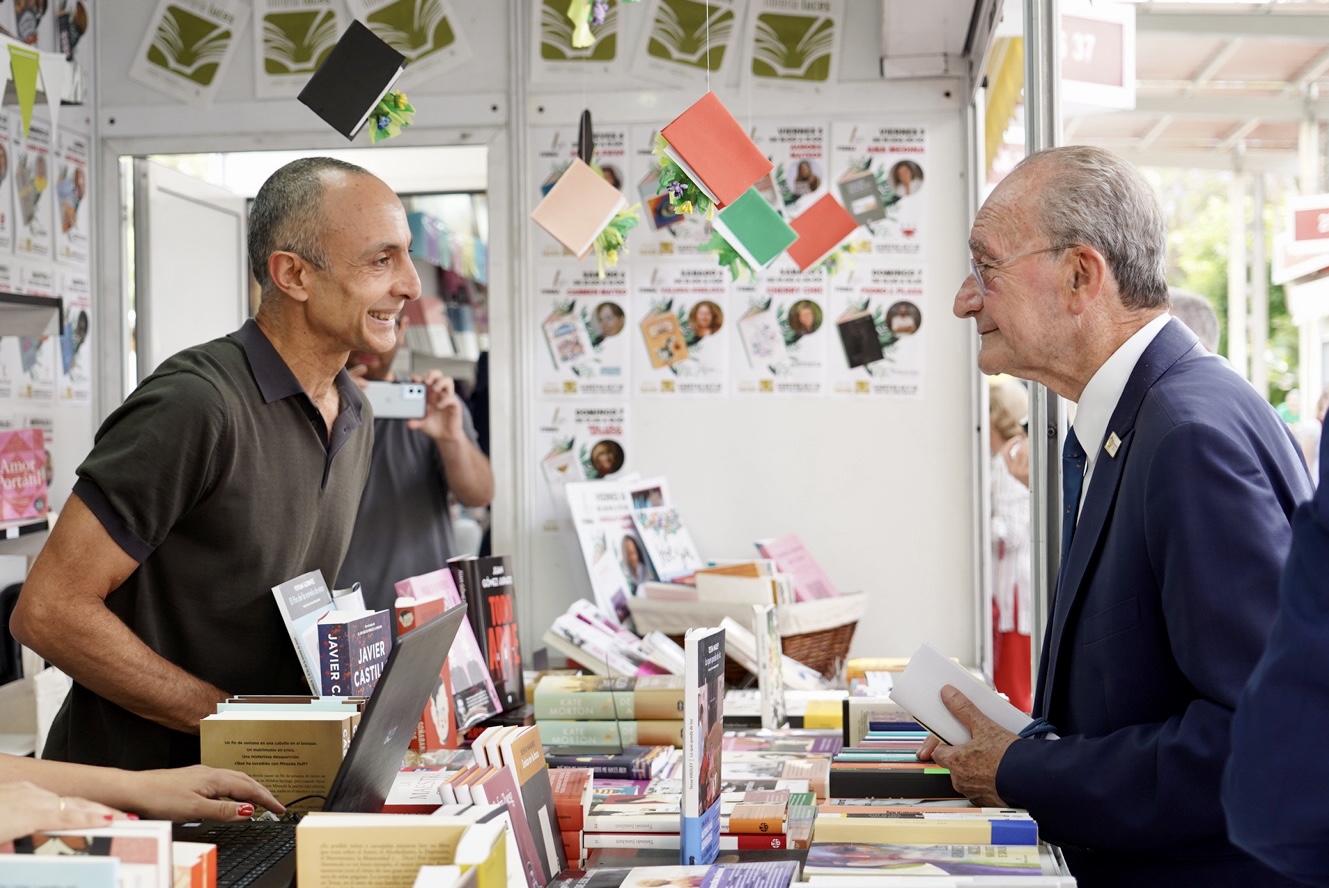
point(918, 689)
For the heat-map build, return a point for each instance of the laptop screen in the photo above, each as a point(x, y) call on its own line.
point(391, 715)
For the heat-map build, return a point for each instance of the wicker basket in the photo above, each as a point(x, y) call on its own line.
point(827, 628)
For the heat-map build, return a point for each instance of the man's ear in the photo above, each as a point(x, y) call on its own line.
point(290, 273)
point(1087, 272)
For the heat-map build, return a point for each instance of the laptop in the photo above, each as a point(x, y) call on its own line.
point(264, 851)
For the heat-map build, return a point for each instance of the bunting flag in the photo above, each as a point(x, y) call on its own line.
point(54, 70)
point(25, 64)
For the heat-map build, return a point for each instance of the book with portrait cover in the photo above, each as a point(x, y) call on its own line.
point(487, 585)
point(353, 647)
point(703, 731)
point(858, 334)
point(473, 693)
point(569, 340)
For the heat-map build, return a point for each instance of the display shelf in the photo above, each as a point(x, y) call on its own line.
point(25, 539)
point(22, 315)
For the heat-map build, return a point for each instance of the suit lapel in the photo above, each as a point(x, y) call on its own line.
point(1171, 343)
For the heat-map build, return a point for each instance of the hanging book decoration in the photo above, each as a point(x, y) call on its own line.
point(578, 207)
point(612, 241)
point(685, 195)
point(390, 116)
point(821, 230)
point(714, 151)
point(584, 14)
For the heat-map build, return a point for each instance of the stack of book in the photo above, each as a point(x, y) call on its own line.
point(922, 821)
point(589, 637)
point(764, 874)
point(885, 765)
point(637, 764)
point(591, 712)
point(573, 789)
point(753, 820)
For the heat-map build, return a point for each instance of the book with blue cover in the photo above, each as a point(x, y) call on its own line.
point(353, 647)
point(703, 734)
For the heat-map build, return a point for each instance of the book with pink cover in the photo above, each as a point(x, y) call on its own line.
point(821, 228)
point(792, 557)
point(22, 475)
point(473, 689)
point(578, 208)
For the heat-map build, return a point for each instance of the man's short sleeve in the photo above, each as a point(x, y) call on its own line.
point(154, 458)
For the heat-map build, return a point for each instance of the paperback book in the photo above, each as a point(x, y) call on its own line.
point(304, 601)
point(487, 585)
point(862, 858)
point(594, 697)
point(353, 648)
point(668, 543)
point(703, 715)
point(437, 728)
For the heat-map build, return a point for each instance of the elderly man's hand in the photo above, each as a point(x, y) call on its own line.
point(973, 765)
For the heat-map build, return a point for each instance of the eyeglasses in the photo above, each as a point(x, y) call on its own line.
point(976, 267)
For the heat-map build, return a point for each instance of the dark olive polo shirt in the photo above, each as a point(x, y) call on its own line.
point(218, 476)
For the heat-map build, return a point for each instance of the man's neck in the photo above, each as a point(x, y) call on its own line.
point(315, 370)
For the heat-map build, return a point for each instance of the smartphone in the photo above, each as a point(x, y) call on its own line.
point(396, 400)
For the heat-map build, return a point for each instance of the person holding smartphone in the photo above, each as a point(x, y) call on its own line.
point(404, 527)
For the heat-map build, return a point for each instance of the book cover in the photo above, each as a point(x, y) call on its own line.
point(353, 648)
point(792, 557)
point(715, 151)
point(142, 849)
point(437, 728)
point(770, 664)
point(473, 694)
point(926, 828)
point(660, 212)
point(861, 195)
point(62, 871)
point(340, 849)
point(23, 493)
point(500, 788)
point(416, 791)
point(665, 343)
point(840, 858)
point(763, 339)
point(578, 207)
point(672, 841)
point(357, 73)
point(703, 715)
point(488, 587)
point(894, 780)
point(193, 865)
point(612, 734)
point(522, 751)
point(573, 790)
point(633, 762)
point(754, 228)
point(568, 339)
point(668, 543)
point(858, 335)
point(428, 331)
point(594, 697)
point(918, 689)
point(820, 228)
point(302, 601)
point(763, 874)
point(483, 849)
point(292, 753)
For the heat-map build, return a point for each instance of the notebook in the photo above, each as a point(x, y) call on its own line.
point(266, 849)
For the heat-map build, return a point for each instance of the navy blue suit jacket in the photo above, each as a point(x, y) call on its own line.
point(1273, 789)
point(1162, 610)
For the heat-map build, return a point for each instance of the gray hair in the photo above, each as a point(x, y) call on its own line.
point(1198, 313)
point(287, 215)
point(1095, 198)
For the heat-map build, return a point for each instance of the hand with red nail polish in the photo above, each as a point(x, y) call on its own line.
point(26, 808)
point(200, 792)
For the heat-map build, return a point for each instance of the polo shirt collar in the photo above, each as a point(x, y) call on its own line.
point(275, 379)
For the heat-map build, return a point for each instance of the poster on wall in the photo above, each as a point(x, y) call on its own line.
point(75, 289)
point(780, 319)
point(673, 47)
point(32, 187)
point(583, 323)
point(30, 361)
point(188, 46)
point(662, 233)
point(790, 46)
point(555, 59)
point(425, 31)
point(798, 149)
point(291, 39)
point(553, 149)
point(6, 185)
point(879, 171)
point(879, 331)
point(71, 190)
point(682, 326)
point(577, 441)
point(34, 278)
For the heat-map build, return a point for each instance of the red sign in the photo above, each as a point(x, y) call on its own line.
point(1311, 223)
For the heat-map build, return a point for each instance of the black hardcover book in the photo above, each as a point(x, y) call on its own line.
point(357, 73)
point(486, 585)
point(891, 782)
point(858, 332)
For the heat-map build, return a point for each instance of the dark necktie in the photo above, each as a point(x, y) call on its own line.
point(1072, 480)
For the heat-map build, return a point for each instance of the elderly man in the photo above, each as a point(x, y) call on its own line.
point(1169, 587)
point(235, 466)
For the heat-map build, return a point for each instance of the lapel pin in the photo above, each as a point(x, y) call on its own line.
point(1113, 443)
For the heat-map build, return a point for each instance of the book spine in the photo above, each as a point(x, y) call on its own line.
point(700, 837)
point(554, 705)
point(740, 824)
point(631, 823)
point(672, 841)
point(611, 734)
point(933, 783)
point(334, 661)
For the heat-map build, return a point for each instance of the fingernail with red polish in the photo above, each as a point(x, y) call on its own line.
point(131, 817)
point(108, 817)
point(245, 810)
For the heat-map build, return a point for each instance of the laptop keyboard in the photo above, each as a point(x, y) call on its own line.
point(245, 851)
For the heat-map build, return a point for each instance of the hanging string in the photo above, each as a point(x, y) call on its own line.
point(708, 45)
